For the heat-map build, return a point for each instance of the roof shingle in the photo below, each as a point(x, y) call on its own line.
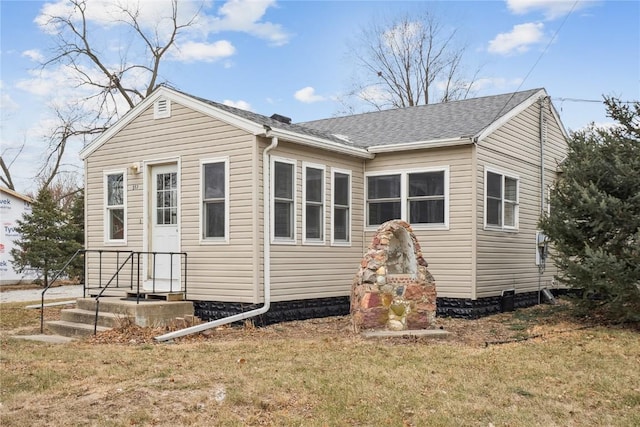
point(454, 119)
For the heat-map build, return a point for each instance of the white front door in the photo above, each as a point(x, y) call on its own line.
point(164, 269)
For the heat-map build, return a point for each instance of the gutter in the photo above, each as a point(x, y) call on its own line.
point(435, 143)
point(321, 143)
point(266, 251)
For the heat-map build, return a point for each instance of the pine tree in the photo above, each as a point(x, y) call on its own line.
point(76, 270)
point(46, 238)
point(594, 223)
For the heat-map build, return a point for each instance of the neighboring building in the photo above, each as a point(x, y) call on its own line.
point(13, 206)
point(183, 174)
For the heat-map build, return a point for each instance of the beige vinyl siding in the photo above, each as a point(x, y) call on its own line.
point(305, 271)
point(449, 252)
point(506, 259)
point(223, 272)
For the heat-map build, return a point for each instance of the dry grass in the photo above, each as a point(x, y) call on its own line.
point(318, 373)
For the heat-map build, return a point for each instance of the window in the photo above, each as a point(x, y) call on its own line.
point(167, 198)
point(214, 200)
point(384, 200)
point(501, 207)
point(419, 197)
point(341, 225)
point(313, 196)
point(283, 180)
point(426, 198)
point(115, 207)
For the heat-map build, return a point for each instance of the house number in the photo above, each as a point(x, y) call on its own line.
point(134, 187)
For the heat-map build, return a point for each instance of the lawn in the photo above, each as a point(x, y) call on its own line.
point(536, 366)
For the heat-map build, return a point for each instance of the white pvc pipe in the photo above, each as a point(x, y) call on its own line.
point(266, 250)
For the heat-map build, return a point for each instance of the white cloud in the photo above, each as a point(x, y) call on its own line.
point(308, 95)
point(152, 15)
point(34, 55)
point(7, 104)
point(206, 52)
point(551, 9)
point(245, 16)
point(495, 83)
point(521, 37)
point(243, 105)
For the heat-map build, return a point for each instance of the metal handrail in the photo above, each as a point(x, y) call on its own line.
point(131, 256)
point(95, 323)
point(55, 277)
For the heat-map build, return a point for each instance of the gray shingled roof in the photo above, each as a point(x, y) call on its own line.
point(454, 119)
point(450, 120)
point(272, 123)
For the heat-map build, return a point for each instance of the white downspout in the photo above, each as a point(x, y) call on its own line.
point(266, 251)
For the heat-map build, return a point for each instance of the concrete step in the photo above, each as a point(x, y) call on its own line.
point(145, 312)
point(78, 315)
point(72, 329)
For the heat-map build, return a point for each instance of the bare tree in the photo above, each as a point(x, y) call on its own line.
point(110, 87)
point(409, 61)
point(5, 166)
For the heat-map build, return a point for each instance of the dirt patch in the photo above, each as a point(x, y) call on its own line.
point(522, 324)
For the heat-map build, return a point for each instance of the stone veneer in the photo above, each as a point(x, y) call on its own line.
point(393, 288)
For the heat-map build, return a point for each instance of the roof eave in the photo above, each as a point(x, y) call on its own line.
point(496, 124)
point(17, 195)
point(247, 125)
point(420, 145)
point(321, 143)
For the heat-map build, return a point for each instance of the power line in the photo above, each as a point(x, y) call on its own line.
point(599, 101)
point(538, 60)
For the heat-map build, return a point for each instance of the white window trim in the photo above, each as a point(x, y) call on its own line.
point(107, 239)
point(305, 240)
point(350, 207)
point(282, 240)
point(404, 200)
point(215, 240)
point(504, 173)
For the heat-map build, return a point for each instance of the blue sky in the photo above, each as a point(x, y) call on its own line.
point(292, 57)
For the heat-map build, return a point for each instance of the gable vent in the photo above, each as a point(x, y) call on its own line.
point(162, 108)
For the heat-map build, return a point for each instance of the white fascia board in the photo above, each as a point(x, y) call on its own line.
point(125, 120)
point(419, 145)
point(511, 114)
point(557, 117)
point(180, 98)
point(321, 143)
point(225, 116)
point(222, 115)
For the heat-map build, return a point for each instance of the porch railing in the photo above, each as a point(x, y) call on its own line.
point(123, 270)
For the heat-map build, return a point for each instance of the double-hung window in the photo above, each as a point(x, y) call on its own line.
point(384, 198)
point(419, 197)
point(341, 207)
point(426, 197)
point(215, 206)
point(115, 203)
point(313, 196)
point(501, 200)
point(283, 190)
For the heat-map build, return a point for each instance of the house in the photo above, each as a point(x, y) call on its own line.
point(13, 206)
point(259, 209)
